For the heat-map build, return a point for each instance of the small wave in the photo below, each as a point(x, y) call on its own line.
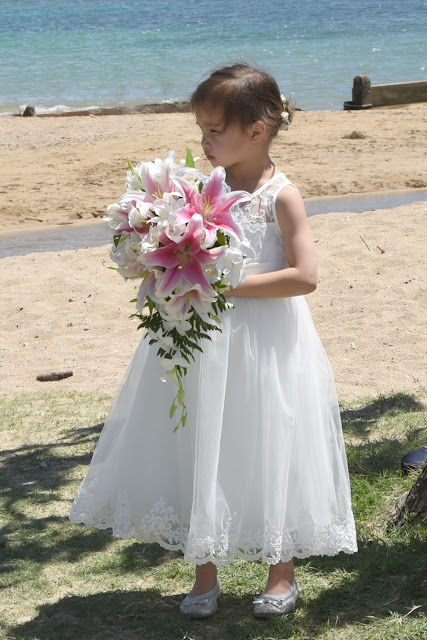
point(41, 109)
point(58, 108)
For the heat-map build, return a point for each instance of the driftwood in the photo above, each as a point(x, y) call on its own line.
point(55, 375)
point(414, 504)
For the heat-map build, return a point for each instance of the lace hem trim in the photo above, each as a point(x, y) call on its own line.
point(162, 526)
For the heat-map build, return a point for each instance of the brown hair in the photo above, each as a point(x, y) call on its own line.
point(244, 94)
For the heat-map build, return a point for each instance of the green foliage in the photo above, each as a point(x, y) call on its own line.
point(189, 160)
point(184, 344)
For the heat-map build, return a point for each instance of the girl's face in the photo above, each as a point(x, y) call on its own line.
point(222, 146)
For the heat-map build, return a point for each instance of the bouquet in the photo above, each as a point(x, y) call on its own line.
point(172, 228)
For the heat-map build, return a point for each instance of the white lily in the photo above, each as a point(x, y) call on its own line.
point(165, 341)
point(170, 363)
point(232, 264)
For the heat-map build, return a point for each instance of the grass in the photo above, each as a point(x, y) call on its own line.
point(62, 581)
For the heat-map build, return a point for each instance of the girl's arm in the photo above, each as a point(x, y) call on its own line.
point(301, 276)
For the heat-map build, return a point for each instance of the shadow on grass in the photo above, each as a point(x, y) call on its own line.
point(377, 580)
point(359, 421)
point(382, 577)
point(32, 476)
point(381, 455)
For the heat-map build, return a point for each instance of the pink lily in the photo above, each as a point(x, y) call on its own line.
point(213, 205)
point(183, 259)
point(118, 219)
point(131, 213)
point(155, 177)
point(193, 299)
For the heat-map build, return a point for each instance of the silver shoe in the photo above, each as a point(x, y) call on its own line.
point(201, 606)
point(267, 605)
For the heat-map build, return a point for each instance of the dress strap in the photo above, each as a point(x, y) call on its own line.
point(282, 183)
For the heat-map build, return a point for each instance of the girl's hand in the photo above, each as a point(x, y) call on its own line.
point(300, 277)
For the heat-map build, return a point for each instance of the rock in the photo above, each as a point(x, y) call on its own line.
point(29, 111)
point(55, 375)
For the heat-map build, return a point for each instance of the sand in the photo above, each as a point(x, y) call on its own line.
point(66, 310)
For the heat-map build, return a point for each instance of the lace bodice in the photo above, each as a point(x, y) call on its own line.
point(257, 217)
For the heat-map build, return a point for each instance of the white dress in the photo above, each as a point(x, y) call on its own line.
point(260, 469)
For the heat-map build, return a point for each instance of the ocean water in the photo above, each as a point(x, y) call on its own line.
point(64, 54)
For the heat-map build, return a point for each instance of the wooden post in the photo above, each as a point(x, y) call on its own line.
point(361, 93)
point(361, 90)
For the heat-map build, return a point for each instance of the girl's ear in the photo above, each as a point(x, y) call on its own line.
point(257, 131)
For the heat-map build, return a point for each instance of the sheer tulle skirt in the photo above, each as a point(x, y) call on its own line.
point(259, 471)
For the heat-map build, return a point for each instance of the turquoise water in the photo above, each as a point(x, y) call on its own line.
point(60, 54)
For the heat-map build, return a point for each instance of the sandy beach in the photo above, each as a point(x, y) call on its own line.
point(66, 310)
point(70, 169)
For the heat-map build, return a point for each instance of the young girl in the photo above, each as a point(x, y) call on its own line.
point(260, 470)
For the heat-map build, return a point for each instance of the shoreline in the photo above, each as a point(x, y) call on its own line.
point(174, 106)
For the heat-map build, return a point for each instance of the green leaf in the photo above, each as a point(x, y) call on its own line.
point(116, 239)
point(220, 236)
point(189, 160)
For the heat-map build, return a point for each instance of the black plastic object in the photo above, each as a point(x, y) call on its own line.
point(414, 460)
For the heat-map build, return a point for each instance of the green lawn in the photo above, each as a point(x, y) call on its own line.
point(61, 581)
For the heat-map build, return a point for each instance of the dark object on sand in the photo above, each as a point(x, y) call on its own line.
point(55, 375)
point(29, 111)
point(414, 503)
point(414, 460)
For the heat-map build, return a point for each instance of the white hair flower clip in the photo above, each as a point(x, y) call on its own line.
point(285, 113)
